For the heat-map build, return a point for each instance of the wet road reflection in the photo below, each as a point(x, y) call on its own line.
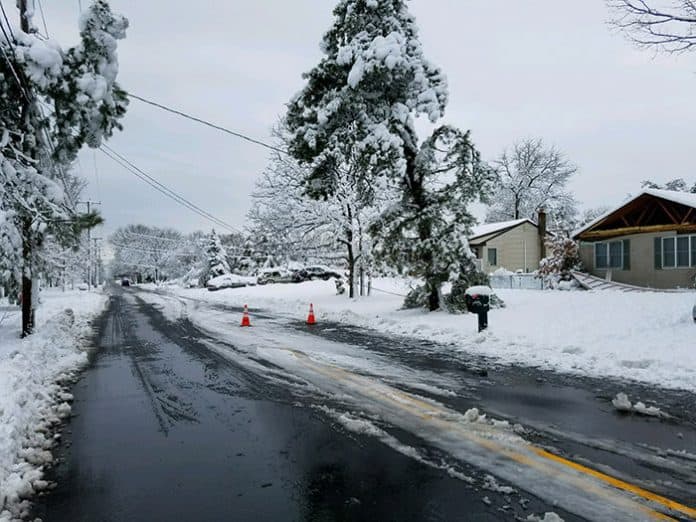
point(163, 429)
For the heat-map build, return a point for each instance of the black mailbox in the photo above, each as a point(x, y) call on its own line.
point(477, 303)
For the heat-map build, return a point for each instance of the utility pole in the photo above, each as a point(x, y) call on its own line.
point(97, 259)
point(27, 268)
point(89, 242)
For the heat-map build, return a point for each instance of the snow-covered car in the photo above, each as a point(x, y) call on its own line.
point(319, 272)
point(229, 281)
point(278, 275)
point(83, 286)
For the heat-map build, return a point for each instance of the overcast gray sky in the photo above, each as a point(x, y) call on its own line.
point(534, 68)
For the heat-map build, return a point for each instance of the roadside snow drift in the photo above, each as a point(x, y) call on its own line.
point(31, 396)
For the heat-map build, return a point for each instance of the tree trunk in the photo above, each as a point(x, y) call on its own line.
point(27, 303)
point(351, 255)
point(433, 299)
point(424, 229)
point(351, 271)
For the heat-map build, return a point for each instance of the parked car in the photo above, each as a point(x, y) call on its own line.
point(83, 286)
point(278, 275)
point(319, 272)
point(229, 281)
point(125, 282)
point(693, 313)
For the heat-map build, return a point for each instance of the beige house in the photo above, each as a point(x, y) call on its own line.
point(513, 245)
point(648, 241)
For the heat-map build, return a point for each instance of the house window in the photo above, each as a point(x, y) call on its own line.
point(609, 254)
point(668, 252)
point(601, 257)
point(677, 251)
point(493, 257)
point(683, 252)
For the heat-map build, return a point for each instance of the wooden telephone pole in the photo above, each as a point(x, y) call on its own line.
point(27, 268)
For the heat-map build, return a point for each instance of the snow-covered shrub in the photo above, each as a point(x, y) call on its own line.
point(416, 298)
point(564, 256)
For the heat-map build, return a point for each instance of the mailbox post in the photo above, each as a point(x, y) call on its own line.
point(478, 302)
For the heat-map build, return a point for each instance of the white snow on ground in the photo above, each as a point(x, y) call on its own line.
point(31, 397)
point(643, 336)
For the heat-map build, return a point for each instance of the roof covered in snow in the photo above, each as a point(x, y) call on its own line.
point(491, 228)
point(681, 198)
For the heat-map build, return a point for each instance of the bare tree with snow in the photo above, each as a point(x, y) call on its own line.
point(331, 228)
point(533, 176)
point(663, 25)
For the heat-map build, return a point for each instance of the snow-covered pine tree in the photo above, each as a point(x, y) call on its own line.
point(358, 107)
point(360, 100)
point(53, 102)
point(216, 259)
point(424, 235)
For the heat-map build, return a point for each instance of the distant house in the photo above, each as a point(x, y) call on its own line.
point(648, 241)
point(514, 245)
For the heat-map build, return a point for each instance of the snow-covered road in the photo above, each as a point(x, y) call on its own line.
point(583, 469)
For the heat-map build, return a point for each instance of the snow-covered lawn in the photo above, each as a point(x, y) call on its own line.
point(650, 337)
point(31, 397)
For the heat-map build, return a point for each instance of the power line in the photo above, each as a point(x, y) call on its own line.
point(43, 18)
point(207, 123)
point(108, 151)
point(9, 26)
point(177, 196)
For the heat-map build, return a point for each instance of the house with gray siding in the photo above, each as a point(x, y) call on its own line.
point(648, 241)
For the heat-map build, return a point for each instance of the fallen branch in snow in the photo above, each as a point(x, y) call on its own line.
point(621, 403)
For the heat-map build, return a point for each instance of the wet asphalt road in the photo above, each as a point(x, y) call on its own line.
point(163, 429)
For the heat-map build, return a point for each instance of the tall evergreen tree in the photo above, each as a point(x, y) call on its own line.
point(358, 107)
point(359, 103)
point(217, 264)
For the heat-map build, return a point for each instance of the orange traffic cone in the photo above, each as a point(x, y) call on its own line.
point(310, 318)
point(245, 317)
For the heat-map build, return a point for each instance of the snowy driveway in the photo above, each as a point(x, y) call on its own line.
point(553, 432)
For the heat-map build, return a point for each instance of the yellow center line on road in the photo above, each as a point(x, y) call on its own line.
point(437, 414)
point(618, 483)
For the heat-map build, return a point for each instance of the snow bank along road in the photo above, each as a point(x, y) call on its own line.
point(551, 443)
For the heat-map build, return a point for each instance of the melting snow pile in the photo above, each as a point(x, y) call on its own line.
point(621, 403)
point(33, 373)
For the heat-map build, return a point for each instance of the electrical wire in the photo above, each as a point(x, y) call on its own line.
point(207, 123)
point(116, 157)
point(43, 18)
point(183, 200)
point(4, 14)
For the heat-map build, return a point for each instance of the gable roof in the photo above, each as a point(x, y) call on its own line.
point(492, 228)
point(681, 198)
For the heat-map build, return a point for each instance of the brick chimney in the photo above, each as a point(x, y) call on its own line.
point(541, 225)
